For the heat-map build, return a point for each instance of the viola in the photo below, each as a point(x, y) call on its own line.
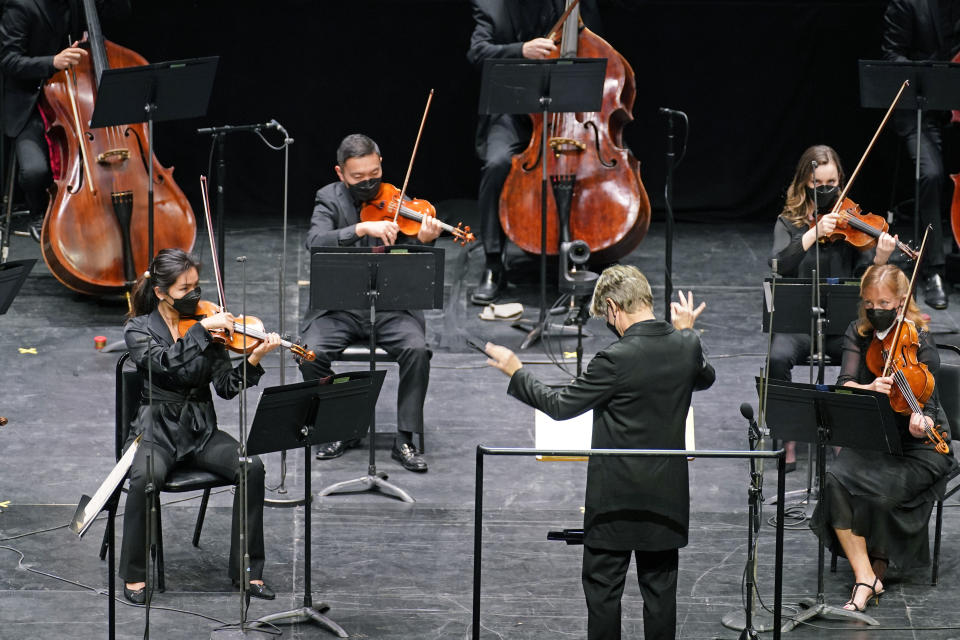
point(96, 232)
point(410, 215)
point(248, 332)
point(862, 230)
point(913, 382)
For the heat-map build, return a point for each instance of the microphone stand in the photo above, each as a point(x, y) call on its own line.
point(672, 164)
point(240, 631)
point(150, 493)
point(748, 621)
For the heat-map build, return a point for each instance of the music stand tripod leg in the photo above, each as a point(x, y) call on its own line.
point(373, 481)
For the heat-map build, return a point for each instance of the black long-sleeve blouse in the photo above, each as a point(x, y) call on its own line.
point(182, 413)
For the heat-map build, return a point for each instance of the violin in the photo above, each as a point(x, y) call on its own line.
point(248, 332)
point(411, 213)
point(862, 230)
point(896, 356)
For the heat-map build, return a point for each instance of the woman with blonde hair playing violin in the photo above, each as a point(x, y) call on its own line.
point(874, 507)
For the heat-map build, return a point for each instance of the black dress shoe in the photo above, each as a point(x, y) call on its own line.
point(136, 597)
point(933, 293)
point(491, 286)
point(262, 591)
point(408, 457)
point(331, 450)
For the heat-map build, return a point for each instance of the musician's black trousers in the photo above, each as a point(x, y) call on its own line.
point(33, 165)
point(399, 334)
point(507, 136)
point(790, 349)
point(220, 455)
point(933, 179)
point(604, 575)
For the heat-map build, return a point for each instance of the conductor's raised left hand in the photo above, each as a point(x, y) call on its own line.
point(683, 315)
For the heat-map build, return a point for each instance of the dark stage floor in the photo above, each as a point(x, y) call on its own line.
point(390, 570)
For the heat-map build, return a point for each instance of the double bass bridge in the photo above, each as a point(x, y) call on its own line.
point(566, 145)
point(113, 155)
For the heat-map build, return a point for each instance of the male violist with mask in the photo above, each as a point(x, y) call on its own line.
point(639, 388)
point(336, 223)
point(507, 29)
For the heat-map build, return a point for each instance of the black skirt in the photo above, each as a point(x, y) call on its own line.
point(884, 498)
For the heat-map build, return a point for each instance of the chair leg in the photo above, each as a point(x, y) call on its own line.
point(161, 581)
point(833, 562)
point(935, 568)
point(203, 510)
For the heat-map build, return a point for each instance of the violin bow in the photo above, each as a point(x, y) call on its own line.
point(905, 302)
point(416, 145)
point(204, 192)
point(853, 176)
point(559, 25)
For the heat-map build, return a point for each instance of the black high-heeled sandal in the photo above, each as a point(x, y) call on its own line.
point(874, 594)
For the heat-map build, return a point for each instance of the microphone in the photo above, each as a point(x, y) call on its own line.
point(670, 112)
point(746, 410)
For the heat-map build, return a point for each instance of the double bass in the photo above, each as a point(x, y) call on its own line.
point(94, 238)
point(598, 196)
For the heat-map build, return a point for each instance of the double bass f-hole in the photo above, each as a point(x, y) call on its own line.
point(612, 162)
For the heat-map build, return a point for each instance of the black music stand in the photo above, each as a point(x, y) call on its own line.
point(398, 278)
point(839, 298)
point(12, 276)
point(151, 93)
point(521, 86)
point(302, 415)
point(838, 416)
point(933, 85)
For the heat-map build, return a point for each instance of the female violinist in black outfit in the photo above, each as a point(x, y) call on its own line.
point(874, 507)
point(794, 235)
point(183, 417)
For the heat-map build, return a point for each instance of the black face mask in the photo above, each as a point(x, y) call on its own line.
point(187, 305)
point(881, 319)
point(613, 330)
point(365, 190)
point(824, 196)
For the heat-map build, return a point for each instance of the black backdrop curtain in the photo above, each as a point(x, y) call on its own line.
point(761, 80)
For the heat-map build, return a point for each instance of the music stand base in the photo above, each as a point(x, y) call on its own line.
point(292, 502)
point(304, 614)
point(370, 482)
point(238, 632)
point(761, 622)
point(825, 611)
point(535, 329)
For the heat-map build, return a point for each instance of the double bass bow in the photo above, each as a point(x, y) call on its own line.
point(599, 197)
point(95, 233)
point(248, 331)
point(896, 356)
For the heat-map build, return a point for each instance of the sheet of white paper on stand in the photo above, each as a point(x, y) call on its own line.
point(575, 433)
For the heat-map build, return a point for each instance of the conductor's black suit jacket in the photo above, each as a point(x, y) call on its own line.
point(32, 32)
point(639, 389)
